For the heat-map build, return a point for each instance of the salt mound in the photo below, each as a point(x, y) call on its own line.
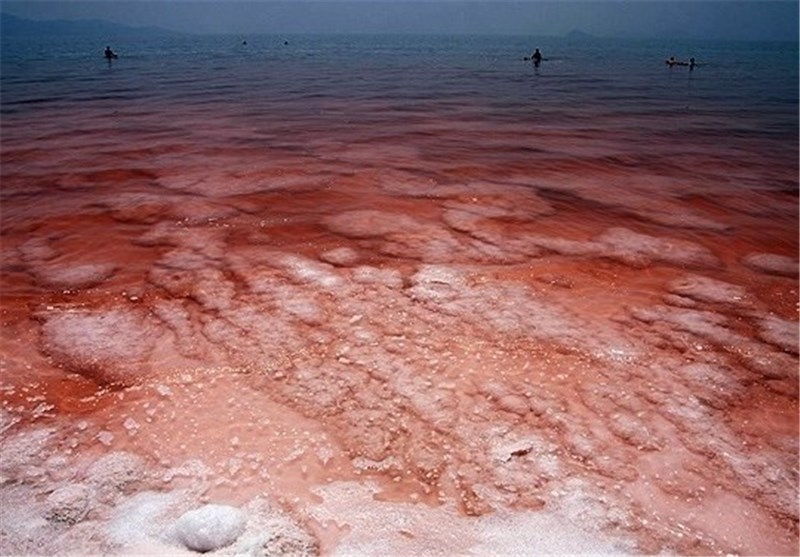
point(210, 527)
point(107, 346)
point(773, 264)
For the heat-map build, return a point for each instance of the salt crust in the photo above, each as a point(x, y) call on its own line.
point(209, 309)
point(109, 507)
point(108, 346)
point(384, 528)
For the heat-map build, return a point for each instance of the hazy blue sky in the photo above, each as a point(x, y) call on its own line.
point(753, 20)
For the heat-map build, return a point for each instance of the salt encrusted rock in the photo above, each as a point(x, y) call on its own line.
point(210, 527)
point(68, 504)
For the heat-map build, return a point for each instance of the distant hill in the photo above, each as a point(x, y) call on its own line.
point(12, 26)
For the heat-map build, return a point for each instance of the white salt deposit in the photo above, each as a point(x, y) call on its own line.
point(390, 278)
point(115, 471)
point(108, 346)
point(403, 529)
point(773, 264)
point(210, 527)
point(343, 256)
point(143, 517)
point(309, 271)
point(780, 332)
point(37, 250)
point(707, 289)
point(638, 249)
point(68, 503)
point(371, 223)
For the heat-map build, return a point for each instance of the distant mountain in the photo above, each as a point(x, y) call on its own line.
point(13, 26)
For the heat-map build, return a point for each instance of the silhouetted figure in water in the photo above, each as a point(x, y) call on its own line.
point(536, 57)
point(671, 61)
point(109, 54)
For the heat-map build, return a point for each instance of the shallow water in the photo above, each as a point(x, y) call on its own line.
point(418, 274)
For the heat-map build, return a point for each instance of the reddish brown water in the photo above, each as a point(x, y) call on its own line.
point(418, 314)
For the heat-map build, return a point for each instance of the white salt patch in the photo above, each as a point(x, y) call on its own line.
point(141, 518)
point(468, 217)
point(637, 249)
point(192, 468)
point(185, 259)
point(390, 278)
point(772, 264)
point(370, 223)
point(461, 220)
point(23, 529)
point(780, 332)
point(212, 290)
point(711, 383)
point(271, 532)
point(621, 244)
point(68, 503)
point(705, 324)
point(404, 529)
point(37, 250)
point(74, 276)
point(131, 426)
point(106, 438)
point(304, 307)
point(310, 271)
point(706, 289)
point(582, 503)
point(210, 527)
point(534, 534)
point(7, 419)
point(343, 257)
point(24, 451)
point(163, 390)
point(439, 274)
point(115, 471)
point(107, 345)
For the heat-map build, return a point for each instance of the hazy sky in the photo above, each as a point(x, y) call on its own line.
point(752, 20)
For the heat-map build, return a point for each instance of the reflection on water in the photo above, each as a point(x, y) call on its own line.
point(396, 288)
